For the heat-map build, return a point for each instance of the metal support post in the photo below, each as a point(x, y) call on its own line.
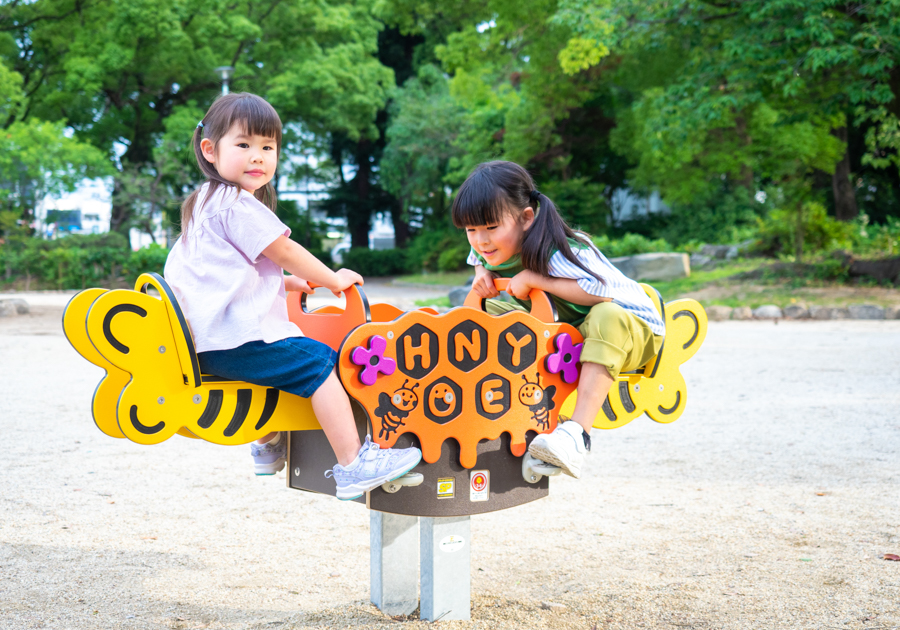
point(446, 569)
point(394, 559)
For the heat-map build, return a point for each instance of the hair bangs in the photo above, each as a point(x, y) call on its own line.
point(479, 202)
point(256, 117)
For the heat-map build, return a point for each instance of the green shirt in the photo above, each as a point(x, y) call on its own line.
point(566, 311)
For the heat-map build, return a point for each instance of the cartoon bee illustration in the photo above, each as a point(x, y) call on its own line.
point(393, 409)
point(538, 400)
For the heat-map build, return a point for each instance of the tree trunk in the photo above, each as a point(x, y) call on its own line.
point(360, 213)
point(121, 215)
point(401, 225)
point(845, 208)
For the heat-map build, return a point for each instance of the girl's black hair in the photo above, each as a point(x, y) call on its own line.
point(257, 118)
point(497, 188)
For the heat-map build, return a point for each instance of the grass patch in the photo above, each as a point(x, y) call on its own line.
point(438, 301)
point(446, 279)
point(699, 279)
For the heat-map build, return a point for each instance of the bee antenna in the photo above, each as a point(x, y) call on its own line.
point(414, 386)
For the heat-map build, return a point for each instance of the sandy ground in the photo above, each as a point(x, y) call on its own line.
point(769, 504)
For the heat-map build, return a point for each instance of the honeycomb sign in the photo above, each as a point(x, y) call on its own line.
point(464, 375)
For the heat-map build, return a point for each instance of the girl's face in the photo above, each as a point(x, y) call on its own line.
point(247, 160)
point(498, 242)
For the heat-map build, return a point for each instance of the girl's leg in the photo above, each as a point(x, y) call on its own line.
point(593, 386)
point(332, 408)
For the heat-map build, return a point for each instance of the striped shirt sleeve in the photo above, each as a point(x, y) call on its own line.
point(621, 289)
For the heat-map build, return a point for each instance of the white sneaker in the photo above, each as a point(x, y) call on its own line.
point(565, 447)
point(373, 467)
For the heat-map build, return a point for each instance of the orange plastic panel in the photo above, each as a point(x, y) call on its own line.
point(464, 375)
point(541, 306)
point(325, 324)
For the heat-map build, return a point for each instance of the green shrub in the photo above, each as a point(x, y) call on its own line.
point(454, 258)
point(375, 262)
point(424, 251)
point(629, 245)
point(780, 232)
point(147, 260)
point(875, 240)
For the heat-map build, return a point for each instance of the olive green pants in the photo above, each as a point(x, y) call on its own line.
point(613, 337)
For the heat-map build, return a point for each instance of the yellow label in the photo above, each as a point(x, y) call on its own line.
point(446, 488)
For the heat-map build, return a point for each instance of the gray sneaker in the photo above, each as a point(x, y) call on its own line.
point(268, 459)
point(565, 447)
point(373, 467)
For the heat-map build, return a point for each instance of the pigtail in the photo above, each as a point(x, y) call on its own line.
point(187, 208)
point(550, 232)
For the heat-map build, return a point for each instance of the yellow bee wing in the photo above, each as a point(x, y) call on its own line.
point(103, 404)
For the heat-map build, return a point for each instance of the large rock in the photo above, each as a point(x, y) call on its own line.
point(655, 266)
point(14, 306)
point(718, 313)
point(865, 311)
point(795, 311)
point(458, 295)
point(768, 311)
point(892, 312)
point(820, 312)
point(701, 261)
point(742, 312)
point(715, 251)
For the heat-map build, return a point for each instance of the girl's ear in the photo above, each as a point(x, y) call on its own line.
point(527, 217)
point(208, 150)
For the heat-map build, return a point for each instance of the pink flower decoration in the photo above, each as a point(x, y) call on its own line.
point(565, 359)
point(373, 359)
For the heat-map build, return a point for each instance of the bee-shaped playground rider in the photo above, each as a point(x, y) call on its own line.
point(393, 409)
point(539, 401)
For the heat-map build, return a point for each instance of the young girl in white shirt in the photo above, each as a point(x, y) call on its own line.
point(516, 232)
point(226, 270)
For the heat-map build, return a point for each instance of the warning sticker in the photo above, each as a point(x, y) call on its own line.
point(452, 543)
point(479, 485)
point(446, 487)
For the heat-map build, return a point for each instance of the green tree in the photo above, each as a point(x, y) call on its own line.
point(823, 62)
point(117, 70)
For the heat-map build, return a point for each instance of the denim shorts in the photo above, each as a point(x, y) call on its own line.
point(298, 365)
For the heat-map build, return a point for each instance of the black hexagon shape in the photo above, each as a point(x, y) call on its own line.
point(492, 396)
point(442, 401)
point(417, 351)
point(467, 345)
point(517, 348)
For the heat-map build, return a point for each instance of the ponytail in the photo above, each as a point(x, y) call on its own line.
point(495, 188)
point(549, 232)
point(257, 118)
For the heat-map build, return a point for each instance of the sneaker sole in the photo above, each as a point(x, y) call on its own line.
point(550, 457)
point(385, 480)
point(265, 470)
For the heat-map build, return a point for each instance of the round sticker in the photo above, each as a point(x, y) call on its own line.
point(479, 481)
point(452, 543)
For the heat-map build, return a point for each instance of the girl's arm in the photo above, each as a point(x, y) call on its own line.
point(293, 258)
point(293, 283)
point(521, 284)
point(483, 284)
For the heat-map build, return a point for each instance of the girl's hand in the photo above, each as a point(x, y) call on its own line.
point(345, 279)
point(521, 284)
point(483, 285)
point(293, 283)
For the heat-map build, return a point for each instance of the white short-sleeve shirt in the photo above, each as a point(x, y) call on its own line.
point(230, 293)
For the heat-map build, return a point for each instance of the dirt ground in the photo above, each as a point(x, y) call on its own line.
point(770, 504)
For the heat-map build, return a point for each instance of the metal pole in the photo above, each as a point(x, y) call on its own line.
point(393, 562)
point(446, 568)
